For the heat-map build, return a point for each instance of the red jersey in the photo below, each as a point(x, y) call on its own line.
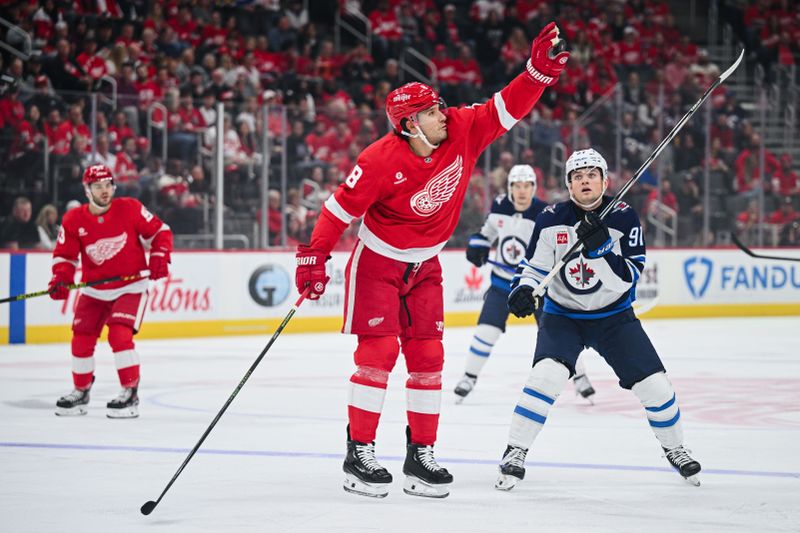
point(411, 204)
point(110, 245)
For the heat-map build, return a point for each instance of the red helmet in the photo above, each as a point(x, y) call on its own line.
point(408, 100)
point(98, 172)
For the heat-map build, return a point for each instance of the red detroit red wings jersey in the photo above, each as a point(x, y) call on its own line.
point(411, 204)
point(109, 245)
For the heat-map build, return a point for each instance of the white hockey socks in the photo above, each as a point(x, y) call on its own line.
point(658, 398)
point(545, 382)
point(481, 347)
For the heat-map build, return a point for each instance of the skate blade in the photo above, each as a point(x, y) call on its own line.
point(505, 482)
point(71, 411)
point(127, 412)
point(416, 487)
point(354, 485)
point(693, 480)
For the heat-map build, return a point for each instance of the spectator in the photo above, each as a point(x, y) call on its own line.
point(786, 181)
point(126, 171)
point(102, 154)
point(785, 214)
point(690, 207)
point(47, 225)
point(19, 231)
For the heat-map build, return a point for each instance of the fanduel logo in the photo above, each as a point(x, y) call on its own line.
point(697, 271)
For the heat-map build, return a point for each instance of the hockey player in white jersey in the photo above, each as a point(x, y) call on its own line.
point(588, 303)
point(508, 227)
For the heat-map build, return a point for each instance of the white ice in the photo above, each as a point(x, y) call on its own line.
point(273, 462)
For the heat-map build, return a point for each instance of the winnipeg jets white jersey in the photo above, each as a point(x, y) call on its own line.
point(585, 288)
point(510, 231)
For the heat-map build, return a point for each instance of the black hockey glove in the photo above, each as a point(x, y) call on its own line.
point(478, 249)
point(593, 234)
point(522, 302)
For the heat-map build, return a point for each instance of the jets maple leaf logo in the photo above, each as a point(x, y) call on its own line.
point(582, 274)
point(473, 279)
point(512, 252)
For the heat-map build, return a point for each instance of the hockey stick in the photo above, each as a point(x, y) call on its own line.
point(539, 291)
point(73, 286)
point(501, 265)
point(148, 507)
point(751, 253)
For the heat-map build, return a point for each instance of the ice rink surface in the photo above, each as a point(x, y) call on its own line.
point(273, 463)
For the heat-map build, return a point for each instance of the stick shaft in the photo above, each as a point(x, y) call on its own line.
point(278, 331)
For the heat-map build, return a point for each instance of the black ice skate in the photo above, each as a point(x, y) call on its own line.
point(465, 386)
point(512, 468)
point(583, 387)
point(687, 467)
point(424, 476)
point(126, 405)
point(73, 404)
point(364, 475)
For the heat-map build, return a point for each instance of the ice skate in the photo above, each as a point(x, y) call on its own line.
point(363, 474)
point(512, 468)
point(424, 476)
point(73, 404)
point(465, 386)
point(583, 387)
point(681, 461)
point(126, 405)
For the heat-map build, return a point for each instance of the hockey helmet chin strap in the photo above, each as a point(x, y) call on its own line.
point(419, 134)
point(593, 205)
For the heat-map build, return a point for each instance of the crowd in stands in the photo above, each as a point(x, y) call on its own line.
point(171, 62)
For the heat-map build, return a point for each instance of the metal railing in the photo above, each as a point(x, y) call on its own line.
point(419, 76)
point(151, 125)
point(13, 29)
point(342, 24)
point(665, 220)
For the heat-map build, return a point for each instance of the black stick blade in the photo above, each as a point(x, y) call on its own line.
point(148, 507)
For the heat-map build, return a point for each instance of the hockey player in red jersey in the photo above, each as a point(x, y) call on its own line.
point(409, 187)
point(109, 235)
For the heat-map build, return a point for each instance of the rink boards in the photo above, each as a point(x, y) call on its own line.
point(240, 293)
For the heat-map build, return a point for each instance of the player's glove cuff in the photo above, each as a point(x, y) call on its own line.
point(540, 77)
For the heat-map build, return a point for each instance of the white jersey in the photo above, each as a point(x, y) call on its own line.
point(586, 288)
point(510, 232)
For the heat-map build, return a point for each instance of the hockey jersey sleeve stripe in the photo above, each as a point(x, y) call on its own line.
point(634, 268)
point(148, 242)
point(57, 260)
point(479, 242)
point(337, 210)
point(506, 120)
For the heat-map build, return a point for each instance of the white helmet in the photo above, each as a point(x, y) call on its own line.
point(589, 158)
point(583, 159)
point(521, 174)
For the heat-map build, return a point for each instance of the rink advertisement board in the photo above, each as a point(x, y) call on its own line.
point(244, 293)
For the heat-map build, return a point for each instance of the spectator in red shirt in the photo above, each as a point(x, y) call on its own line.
point(630, 50)
point(785, 214)
point(126, 173)
point(748, 173)
point(91, 63)
point(786, 181)
point(119, 131)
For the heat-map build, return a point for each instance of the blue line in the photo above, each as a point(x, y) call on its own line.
point(16, 311)
point(396, 458)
